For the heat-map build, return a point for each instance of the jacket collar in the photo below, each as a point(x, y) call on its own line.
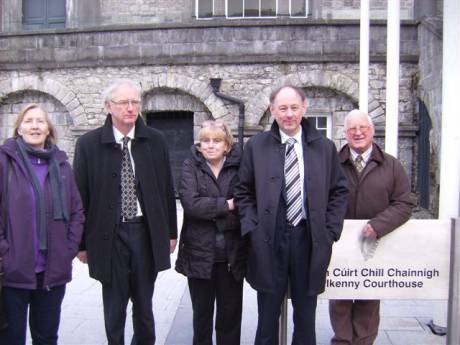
point(107, 130)
point(376, 155)
point(309, 131)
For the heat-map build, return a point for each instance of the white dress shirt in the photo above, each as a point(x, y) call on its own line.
point(366, 155)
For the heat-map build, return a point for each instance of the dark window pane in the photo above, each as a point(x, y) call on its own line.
point(204, 8)
point(322, 121)
point(298, 8)
point(268, 8)
point(43, 14)
point(33, 11)
point(56, 8)
point(323, 132)
point(251, 8)
point(235, 8)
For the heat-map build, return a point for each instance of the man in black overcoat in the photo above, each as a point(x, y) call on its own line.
point(123, 173)
point(291, 232)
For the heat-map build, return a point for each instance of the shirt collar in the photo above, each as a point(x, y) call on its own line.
point(285, 137)
point(119, 136)
point(366, 154)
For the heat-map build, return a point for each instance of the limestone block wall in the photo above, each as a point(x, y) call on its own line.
point(146, 11)
point(99, 13)
point(73, 98)
point(350, 9)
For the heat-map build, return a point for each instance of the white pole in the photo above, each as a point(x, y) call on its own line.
point(450, 125)
point(450, 130)
point(392, 86)
point(364, 57)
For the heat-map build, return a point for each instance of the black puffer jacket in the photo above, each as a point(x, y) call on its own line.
point(203, 198)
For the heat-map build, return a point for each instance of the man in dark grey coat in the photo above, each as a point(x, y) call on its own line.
point(123, 174)
point(292, 199)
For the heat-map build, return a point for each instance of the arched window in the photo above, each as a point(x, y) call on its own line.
point(43, 14)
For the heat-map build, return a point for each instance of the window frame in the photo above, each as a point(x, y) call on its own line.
point(312, 114)
point(307, 11)
point(197, 8)
point(47, 22)
point(251, 17)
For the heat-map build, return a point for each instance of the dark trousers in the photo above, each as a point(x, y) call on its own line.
point(355, 322)
point(292, 262)
point(133, 277)
point(44, 314)
point(227, 292)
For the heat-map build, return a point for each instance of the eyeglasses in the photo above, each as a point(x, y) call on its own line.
point(362, 129)
point(126, 102)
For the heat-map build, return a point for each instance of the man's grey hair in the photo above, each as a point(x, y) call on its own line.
point(357, 112)
point(107, 94)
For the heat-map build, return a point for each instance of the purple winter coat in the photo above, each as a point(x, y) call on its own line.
point(16, 245)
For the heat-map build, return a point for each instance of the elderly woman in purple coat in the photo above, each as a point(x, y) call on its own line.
point(41, 224)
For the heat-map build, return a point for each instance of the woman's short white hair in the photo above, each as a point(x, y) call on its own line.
point(117, 83)
point(355, 112)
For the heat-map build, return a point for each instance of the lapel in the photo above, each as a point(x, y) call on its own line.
point(144, 158)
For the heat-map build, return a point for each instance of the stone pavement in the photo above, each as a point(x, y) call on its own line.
point(402, 322)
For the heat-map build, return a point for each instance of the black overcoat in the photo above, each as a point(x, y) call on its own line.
point(97, 167)
point(260, 191)
point(204, 199)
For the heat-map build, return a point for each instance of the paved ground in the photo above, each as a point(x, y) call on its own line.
point(402, 322)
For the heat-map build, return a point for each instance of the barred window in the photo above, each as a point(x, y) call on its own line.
point(251, 8)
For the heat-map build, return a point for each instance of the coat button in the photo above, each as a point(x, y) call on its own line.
point(114, 174)
point(267, 211)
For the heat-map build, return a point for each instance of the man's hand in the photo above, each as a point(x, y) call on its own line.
point(369, 232)
point(82, 256)
point(172, 245)
point(231, 204)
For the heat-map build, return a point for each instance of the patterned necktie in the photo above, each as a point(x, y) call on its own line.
point(293, 188)
point(128, 184)
point(359, 163)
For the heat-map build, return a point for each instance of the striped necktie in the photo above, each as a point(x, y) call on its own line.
point(359, 163)
point(293, 187)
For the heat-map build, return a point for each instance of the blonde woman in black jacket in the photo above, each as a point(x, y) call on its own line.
point(212, 253)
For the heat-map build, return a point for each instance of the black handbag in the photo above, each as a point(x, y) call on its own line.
point(3, 318)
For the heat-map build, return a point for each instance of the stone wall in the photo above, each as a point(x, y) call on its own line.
point(203, 43)
point(73, 95)
point(66, 71)
point(180, 11)
point(146, 11)
point(350, 9)
point(100, 13)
